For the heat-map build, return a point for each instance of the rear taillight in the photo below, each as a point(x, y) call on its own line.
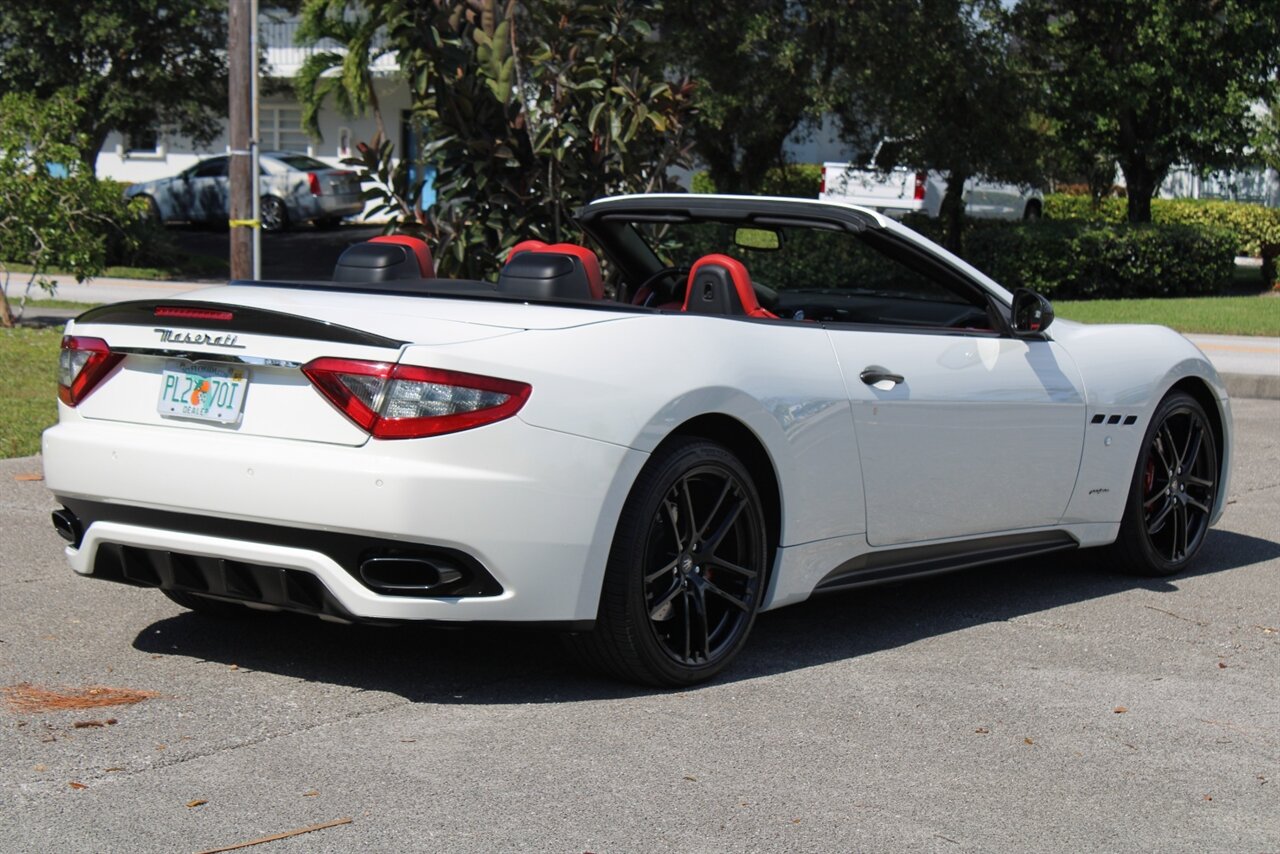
point(82, 365)
point(408, 402)
point(313, 181)
point(920, 179)
point(822, 183)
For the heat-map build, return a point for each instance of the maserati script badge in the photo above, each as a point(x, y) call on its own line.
point(171, 336)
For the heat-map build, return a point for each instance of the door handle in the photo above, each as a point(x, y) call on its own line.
point(873, 374)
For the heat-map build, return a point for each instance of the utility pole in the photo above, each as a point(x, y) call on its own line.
point(240, 111)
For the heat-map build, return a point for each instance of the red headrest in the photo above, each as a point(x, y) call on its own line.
point(590, 262)
point(525, 246)
point(743, 293)
point(417, 246)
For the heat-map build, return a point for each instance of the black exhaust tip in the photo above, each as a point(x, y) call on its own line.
point(411, 576)
point(67, 526)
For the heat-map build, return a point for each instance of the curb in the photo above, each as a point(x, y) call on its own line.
point(1261, 386)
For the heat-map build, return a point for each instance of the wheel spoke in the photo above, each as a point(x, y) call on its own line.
point(1201, 482)
point(673, 517)
point(688, 509)
point(712, 587)
point(1155, 525)
point(713, 542)
point(715, 511)
point(1180, 532)
point(666, 570)
point(697, 604)
point(1203, 508)
point(661, 603)
point(1195, 438)
point(1165, 447)
point(732, 567)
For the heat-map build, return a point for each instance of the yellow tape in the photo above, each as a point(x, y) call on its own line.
point(244, 223)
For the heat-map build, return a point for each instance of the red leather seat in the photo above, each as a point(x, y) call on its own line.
point(588, 259)
point(721, 285)
point(416, 245)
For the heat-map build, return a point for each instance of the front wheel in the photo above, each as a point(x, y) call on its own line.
point(686, 572)
point(274, 215)
point(1173, 490)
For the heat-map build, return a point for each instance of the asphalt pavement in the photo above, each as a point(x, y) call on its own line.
point(1041, 705)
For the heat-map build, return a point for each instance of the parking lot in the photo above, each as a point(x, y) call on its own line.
point(1033, 706)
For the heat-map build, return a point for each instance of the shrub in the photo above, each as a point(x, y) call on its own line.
point(1254, 226)
point(794, 179)
point(1082, 260)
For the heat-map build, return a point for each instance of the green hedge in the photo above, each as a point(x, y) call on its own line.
point(1253, 226)
point(795, 179)
point(1093, 261)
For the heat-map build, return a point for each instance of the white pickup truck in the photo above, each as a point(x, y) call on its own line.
point(900, 190)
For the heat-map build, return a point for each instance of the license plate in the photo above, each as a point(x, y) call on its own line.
point(203, 391)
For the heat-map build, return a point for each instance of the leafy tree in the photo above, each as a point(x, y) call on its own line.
point(760, 67)
point(360, 47)
point(534, 108)
point(1267, 142)
point(53, 211)
point(1155, 83)
point(941, 79)
point(135, 65)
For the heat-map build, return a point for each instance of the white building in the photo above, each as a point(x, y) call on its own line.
point(162, 154)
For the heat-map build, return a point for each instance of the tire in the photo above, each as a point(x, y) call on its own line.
point(152, 212)
point(686, 571)
point(274, 214)
point(1033, 211)
point(207, 606)
point(1172, 493)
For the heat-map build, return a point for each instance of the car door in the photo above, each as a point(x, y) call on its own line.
point(206, 190)
point(962, 430)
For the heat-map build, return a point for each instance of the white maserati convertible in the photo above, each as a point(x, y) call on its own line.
point(759, 400)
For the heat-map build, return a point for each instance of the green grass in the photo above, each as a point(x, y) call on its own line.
point(28, 388)
point(40, 302)
point(191, 267)
point(1257, 315)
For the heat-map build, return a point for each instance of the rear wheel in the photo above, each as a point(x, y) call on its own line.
point(151, 211)
point(686, 571)
point(274, 214)
point(1173, 490)
point(1032, 211)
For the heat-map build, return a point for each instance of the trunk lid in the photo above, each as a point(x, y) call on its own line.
point(230, 362)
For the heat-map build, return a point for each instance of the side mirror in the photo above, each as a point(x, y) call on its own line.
point(1032, 313)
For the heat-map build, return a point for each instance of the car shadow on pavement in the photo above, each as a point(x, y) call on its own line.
point(494, 665)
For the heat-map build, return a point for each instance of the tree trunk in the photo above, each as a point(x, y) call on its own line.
point(6, 313)
point(952, 212)
point(1142, 181)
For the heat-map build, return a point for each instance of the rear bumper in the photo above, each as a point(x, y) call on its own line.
point(534, 509)
point(326, 206)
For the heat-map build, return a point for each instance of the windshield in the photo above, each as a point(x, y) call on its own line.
point(806, 259)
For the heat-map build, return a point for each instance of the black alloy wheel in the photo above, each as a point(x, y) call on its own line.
point(687, 569)
point(1173, 492)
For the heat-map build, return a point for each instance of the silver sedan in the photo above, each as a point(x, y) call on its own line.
point(295, 188)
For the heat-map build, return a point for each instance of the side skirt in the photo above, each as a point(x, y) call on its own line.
point(892, 564)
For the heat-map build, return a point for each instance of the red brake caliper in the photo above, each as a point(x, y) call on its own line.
point(1149, 479)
